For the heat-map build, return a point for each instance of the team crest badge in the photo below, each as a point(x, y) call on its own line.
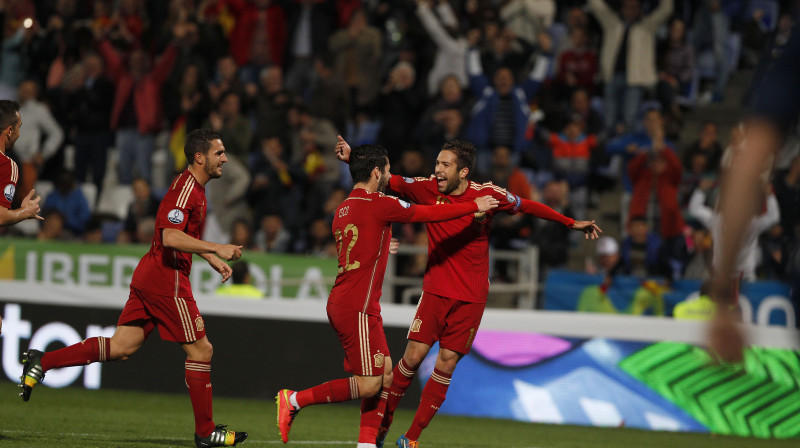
point(9, 191)
point(175, 216)
point(415, 326)
point(378, 360)
point(198, 324)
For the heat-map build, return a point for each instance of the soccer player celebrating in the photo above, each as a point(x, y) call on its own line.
point(162, 295)
point(10, 122)
point(456, 281)
point(362, 229)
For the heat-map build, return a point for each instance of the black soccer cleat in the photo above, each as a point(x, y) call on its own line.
point(220, 437)
point(32, 373)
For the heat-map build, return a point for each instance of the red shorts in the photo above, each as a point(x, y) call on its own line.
point(363, 340)
point(452, 322)
point(178, 318)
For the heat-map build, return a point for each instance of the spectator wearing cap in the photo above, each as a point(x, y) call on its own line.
point(241, 286)
point(608, 262)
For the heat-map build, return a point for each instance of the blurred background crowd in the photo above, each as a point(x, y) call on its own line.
point(601, 109)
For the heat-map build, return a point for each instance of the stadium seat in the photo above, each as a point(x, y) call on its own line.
point(688, 98)
point(90, 193)
point(115, 201)
point(43, 188)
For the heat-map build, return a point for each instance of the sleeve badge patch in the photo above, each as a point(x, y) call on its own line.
point(404, 203)
point(9, 191)
point(409, 180)
point(175, 216)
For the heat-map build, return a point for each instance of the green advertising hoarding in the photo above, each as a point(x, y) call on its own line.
point(82, 264)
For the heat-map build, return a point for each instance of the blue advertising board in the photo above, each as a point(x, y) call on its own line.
point(763, 303)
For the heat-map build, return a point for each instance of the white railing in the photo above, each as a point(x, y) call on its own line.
point(523, 270)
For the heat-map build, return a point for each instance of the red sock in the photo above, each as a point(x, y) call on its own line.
point(335, 391)
point(85, 352)
point(432, 398)
point(372, 410)
point(198, 378)
point(402, 376)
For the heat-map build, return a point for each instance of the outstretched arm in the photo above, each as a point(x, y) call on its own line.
point(441, 212)
point(589, 228)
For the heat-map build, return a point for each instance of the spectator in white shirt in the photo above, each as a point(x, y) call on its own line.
point(40, 137)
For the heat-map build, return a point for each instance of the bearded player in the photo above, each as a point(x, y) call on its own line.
point(10, 123)
point(362, 229)
point(161, 294)
point(456, 282)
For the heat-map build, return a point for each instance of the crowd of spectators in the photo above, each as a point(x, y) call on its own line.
point(564, 100)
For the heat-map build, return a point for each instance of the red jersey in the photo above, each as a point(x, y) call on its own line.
point(165, 271)
point(458, 250)
point(9, 175)
point(362, 229)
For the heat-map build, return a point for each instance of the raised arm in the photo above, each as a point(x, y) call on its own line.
point(435, 29)
point(446, 212)
point(658, 16)
point(589, 228)
point(477, 79)
point(602, 12)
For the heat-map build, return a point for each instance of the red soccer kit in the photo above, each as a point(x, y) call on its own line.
point(160, 290)
point(362, 229)
point(456, 281)
point(9, 175)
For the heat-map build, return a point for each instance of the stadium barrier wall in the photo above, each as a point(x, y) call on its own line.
point(76, 264)
point(537, 366)
point(762, 303)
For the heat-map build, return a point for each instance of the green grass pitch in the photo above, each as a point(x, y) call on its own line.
point(67, 418)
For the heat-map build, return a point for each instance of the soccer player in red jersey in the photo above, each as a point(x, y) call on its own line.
point(362, 229)
point(456, 282)
point(161, 294)
point(10, 122)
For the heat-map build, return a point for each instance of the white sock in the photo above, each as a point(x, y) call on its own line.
point(293, 400)
point(366, 445)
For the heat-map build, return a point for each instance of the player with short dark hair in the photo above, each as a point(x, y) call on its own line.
point(10, 122)
point(456, 282)
point(362, 229)
point(161, 295)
